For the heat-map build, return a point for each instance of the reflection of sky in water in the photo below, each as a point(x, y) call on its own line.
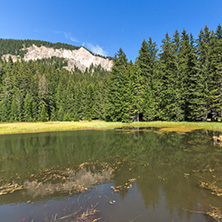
point(126, 209)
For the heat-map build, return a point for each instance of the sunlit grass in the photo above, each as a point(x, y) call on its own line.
point(18, 127)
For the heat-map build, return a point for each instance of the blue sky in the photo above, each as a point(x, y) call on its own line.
point(104, 26)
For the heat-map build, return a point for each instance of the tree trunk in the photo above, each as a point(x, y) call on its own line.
point(138, 117)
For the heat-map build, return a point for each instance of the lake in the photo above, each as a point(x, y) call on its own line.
point(127, 174)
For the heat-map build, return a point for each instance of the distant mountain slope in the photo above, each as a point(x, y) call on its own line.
point(79, 57)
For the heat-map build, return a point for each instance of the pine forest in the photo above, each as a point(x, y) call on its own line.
point(181, 81)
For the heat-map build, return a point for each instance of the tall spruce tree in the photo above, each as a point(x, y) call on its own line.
point(218, 68)
point(215, 78)
point(186, 73)
point(147, 66)
point(141, 79)
point(167, 75)
point(116, 102)
point(201, 101)
point(188, 66)
point(178, 103)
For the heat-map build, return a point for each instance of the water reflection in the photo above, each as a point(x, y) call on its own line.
point(75, 182)
point(164, 169)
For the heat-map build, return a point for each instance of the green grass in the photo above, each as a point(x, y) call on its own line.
point(24, 127)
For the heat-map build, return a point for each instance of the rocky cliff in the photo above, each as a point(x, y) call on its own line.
point(81, 58)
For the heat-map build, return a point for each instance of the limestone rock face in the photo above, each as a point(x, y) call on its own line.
point(81, 57)
point(6, 57)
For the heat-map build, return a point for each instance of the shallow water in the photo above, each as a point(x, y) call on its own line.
point(130, 174)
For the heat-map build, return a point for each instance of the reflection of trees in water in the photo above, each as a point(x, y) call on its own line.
point(169, 156)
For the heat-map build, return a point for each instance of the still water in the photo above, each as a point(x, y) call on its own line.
point(131, 174)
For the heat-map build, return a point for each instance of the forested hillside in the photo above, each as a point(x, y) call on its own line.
point(14, 47)
point(181, 82)
point(18, 47)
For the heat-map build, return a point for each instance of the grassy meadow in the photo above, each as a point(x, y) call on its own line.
point(36, 127)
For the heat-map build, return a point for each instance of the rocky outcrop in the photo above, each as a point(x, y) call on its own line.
point(81, 58)
point(14, 57)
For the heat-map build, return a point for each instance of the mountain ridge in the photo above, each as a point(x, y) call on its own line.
point(79, 57)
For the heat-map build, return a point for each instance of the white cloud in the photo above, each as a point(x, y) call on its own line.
point(96, 49)
point(70, 37)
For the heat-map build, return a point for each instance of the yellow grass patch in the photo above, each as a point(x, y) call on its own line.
point(21, 127)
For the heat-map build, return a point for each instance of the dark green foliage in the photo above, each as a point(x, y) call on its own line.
point(149, 86)
point(43, 114)
point(142, 79)
point(215, 82)
point(40, 91)
point(187, 71)
point(118, 97)
point(168, 72)
point(201, 102)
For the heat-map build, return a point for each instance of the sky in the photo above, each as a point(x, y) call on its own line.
point(104, 26)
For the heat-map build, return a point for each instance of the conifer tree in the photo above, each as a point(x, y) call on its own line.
point(143, 76)
point(90, 101)
point(167, 76)
point(6, 98)
point(186, 72)
point(43, 103)
point(201, 101)
point(188, 67)
point(100, 99)
point(218, 69)
point(215, 78)
point(43, 115)
point(151, 95)
point(28, 106)
point(178, 102)
point(115, 109)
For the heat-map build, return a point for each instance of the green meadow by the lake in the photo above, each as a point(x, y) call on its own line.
point(26, 127)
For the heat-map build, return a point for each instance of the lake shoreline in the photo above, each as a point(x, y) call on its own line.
point(40, 127)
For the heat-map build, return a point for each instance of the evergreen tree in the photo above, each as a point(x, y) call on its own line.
point(43, 115)
point(148, 63)
point(43, 102)
point(215, 78)
point(201, 101)
point(6, 98)
point(185, 73)
point(90, 100)
point(116, 104)
point(143, 76)
point(100, 99)
point(167, 77)
point(188, 66)
point(28, 106)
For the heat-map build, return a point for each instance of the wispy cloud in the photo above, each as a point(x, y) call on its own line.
point(70, 37)
point(96, 49)
point(67, 35)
